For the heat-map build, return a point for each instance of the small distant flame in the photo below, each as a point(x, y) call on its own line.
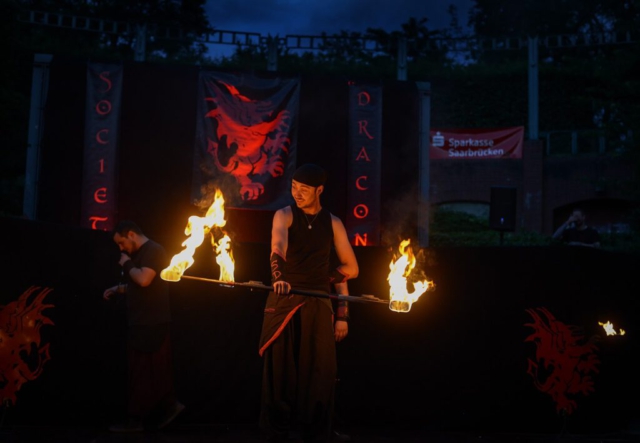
point(197, 228)
point(608, 327)
point(400, 298)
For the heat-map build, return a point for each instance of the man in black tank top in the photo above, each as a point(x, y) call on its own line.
point(298, 332)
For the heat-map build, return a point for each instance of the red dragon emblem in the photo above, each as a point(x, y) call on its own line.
point(251, 139)
point(20, 323)
point(563, 360)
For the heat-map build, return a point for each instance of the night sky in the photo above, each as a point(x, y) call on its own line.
point(312, 17)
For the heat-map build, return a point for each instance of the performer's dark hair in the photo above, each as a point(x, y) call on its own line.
point(125, 226)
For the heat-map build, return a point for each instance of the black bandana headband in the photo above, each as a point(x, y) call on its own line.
point(310, 174)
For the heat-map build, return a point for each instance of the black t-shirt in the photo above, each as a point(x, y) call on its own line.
point(588, 236)
point(149, 305)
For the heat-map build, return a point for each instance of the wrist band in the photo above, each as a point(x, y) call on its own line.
point(128, 266)
point(277, 266)
point(343, 311)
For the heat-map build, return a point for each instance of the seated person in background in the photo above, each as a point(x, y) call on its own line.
point(575, 231)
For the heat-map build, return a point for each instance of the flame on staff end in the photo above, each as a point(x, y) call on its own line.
point(400, 298)
point(196, 229)
point(224, 258)
point(608, 327)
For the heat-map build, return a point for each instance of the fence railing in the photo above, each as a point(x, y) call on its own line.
point(583, 142)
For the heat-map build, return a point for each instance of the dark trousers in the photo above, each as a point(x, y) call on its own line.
point(150, 378)
point(299, 376)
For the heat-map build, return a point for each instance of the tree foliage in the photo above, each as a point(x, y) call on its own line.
point(373, 53)
point(498, 18)
point(171, 28)
point(20, 40)
point(588, 87)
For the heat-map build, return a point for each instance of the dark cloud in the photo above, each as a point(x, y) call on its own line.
point(312, 17)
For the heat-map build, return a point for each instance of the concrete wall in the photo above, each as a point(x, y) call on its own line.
point(547, 187)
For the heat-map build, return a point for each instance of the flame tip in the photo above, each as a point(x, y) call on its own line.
point(196, 229)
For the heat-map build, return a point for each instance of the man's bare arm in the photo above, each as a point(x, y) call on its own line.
point(282, 219)
point(348, 263)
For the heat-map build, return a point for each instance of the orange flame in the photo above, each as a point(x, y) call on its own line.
point(400, 298)
point(224, 258)
point(608, 327)
point(196, 229)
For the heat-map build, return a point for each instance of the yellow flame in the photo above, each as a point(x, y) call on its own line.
point(608, 327)
point(224, 258)
point(196, 229)
point(400, 297)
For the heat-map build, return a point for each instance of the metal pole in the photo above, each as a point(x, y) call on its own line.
point(259, 286)
point(39, 88)
point(272, 54)
point(424, 202)
point(140, 45)
point(402, 59)
point(533, 88)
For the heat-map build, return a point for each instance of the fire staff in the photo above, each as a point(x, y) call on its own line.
point(298, 333)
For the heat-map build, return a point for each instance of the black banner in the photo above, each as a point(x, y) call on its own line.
point(365, 146)
point(245, 139)
point(104, 94)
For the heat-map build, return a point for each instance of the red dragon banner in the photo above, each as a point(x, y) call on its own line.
point(22, 355)
point(563, 360)
point(102, 121)
point(246, 139)
point(365, 162)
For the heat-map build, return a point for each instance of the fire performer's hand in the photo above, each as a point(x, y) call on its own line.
point(124, 258)
point(108, 293)
point(341, 329)
point(281, 287)
point(114, 290)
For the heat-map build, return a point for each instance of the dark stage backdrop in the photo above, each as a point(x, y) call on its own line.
point(157, 136)
point(457, 360)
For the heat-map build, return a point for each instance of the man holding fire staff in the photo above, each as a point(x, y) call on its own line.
point(298, 340)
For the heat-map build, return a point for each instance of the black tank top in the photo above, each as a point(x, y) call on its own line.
point(308, 251)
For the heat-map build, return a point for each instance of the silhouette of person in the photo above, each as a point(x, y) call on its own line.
point(576, 232)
